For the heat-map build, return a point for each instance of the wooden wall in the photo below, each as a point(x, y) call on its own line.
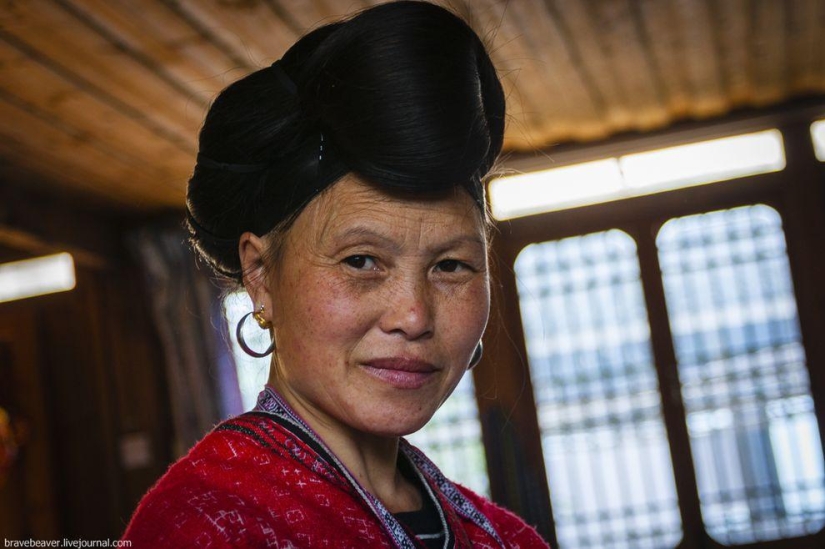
point(84, 370)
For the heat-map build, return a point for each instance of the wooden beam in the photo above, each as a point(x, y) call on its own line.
point(804, 47)
point(743, 121)
point(701, 60)
point(124, 179)
point(251, 30)
point(304, 15)
point(509, 55)
point(161, 40)
point(39, 224)
point(732, 31)
point(607, 35)
point(565, 102)
point(36, 89)
point(55, 38)
point(36, 246)
point(39, 172)
point(663, 45)
point(767, 49)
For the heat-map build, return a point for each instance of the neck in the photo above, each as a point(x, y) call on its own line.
point(371, 459)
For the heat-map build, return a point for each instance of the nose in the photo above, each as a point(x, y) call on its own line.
point(408, 309)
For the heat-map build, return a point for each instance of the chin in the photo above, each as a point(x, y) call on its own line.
point(400, 427)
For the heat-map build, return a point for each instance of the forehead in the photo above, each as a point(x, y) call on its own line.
point(352, 206)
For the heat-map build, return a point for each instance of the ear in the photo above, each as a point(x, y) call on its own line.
point(251, 249)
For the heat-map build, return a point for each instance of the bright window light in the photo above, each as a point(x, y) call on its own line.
point(818, 136)
point(554, 189)
point(252, 372)
point(38, 276)
point(705, 162)
point(639, 174)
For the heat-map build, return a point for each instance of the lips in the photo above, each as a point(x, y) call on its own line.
point(401, 372)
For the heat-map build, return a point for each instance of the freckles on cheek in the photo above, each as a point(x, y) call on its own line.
point(475, 295)
point(333, 307)
point(472, 306)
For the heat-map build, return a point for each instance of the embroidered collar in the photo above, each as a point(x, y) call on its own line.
point(270, 402)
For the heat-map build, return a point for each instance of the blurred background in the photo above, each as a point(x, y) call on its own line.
point(654, 372)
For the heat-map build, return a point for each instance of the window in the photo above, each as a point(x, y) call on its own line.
point(694, 288)
point(753, 433)
point(704, 162)
point(637, 174)
point(597, 395)
point(252, 372)
point(557, 188)
point(818, 137)
point(38, 276)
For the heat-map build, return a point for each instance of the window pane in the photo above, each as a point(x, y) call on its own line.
point(754, 436)
point(38, 276)
point(597, 394)
point(818, 137)
point(706, 161)
point(452, 439)
point(252, 372)
point(639, 174)
point(555, 188)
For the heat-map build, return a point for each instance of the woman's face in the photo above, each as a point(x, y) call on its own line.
point(377, 304)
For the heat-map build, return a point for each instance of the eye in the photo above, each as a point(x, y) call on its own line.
point(361, 262)
point(451, 266)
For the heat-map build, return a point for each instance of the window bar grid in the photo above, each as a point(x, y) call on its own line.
point(745, 385)
point(603, 436)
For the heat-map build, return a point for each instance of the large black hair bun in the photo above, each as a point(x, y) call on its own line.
point(403, 94)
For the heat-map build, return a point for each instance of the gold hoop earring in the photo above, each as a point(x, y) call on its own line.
point(263, 323)
point(259, 318)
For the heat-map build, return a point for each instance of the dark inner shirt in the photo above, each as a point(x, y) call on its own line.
point(426, 522)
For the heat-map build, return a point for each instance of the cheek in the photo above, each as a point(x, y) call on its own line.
point(466, 313)
point(329, 309)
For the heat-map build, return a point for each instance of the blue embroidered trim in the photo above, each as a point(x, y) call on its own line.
point(459, 501)
point(271, 402)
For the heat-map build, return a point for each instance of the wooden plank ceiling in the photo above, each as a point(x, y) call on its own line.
point(105, 97)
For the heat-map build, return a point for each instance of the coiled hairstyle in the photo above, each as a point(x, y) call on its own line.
point(402, 94)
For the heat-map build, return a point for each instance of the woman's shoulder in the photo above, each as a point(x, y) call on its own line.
point(218, 458)
point(210, 493)
point(514, 531)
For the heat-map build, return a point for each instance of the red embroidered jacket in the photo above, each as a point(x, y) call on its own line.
point(255, 481)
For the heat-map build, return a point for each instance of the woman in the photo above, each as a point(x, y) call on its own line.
point(343, 188)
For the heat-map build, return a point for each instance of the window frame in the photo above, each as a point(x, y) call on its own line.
point(504, 390)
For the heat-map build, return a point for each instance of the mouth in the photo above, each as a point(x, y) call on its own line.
point(401, 372)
